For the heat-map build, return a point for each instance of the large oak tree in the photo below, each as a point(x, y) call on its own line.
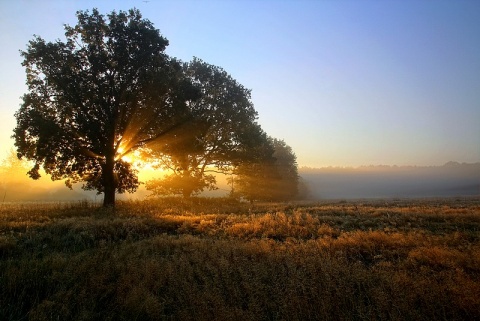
point(106, 90)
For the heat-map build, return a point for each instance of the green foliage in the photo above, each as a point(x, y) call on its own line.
point(177, 259)
point(105, 91)
point(223, 133)
point(272, 177)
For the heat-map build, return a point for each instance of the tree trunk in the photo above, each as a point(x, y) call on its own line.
point(109, 182)
point(187, 188)
point(187, 192)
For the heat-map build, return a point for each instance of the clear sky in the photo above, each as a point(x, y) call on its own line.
point(344, 83)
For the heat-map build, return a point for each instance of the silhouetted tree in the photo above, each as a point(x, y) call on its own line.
point(274, 177)
point(107, 90)
point(223, 133)
point(287, 169)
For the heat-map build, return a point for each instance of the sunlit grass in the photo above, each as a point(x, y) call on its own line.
point(220, 259)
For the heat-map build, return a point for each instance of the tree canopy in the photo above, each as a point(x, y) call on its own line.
point(223, 134)
point(105, 91)
point(272, 177)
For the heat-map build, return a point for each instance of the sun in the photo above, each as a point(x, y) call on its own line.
point(125, 156)
point(134, 158)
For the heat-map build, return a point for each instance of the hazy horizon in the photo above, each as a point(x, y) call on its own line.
point(379, 182)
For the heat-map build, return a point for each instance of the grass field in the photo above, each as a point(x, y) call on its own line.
point(218, 259)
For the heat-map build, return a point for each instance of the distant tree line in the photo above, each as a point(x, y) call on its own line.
point(110, 90)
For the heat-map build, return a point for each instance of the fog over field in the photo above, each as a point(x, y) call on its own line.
point(450, 180)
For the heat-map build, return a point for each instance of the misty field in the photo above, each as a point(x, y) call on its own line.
point(219, 259)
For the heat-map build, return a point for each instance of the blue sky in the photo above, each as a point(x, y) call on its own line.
point(344, 83)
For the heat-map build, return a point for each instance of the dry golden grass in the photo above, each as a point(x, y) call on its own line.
point(211, 259)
